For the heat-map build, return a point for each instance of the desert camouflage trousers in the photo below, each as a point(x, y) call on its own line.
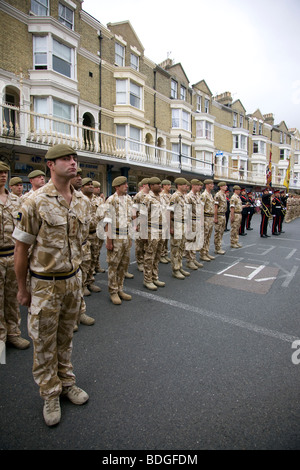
point(118, 261)
point(208, 228)
point(10, 318)
point(177, 246)
point(53, 314)
point(164, 250)
point(97, 254)
point(140, 250)
point(235, 227)
point(153, 248)
point(219, 231)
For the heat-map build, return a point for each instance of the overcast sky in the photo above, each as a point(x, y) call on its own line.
point(247, 47)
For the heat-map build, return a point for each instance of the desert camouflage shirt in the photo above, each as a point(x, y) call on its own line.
point(8, 219)
point(118, 215)
point(152, 211)
point(235, 201)
point(55, 230)
point(221, 201)
point(209, 204)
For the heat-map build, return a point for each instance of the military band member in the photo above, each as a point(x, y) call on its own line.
point(220, 216)
point(283, 199)
point(54, 222)
point(165, 197)
point(10, 318)
point(236, 208)
point(117, 222)
point(244, 200)
point(153, 212)
point(194, 240)
point(16, 186)
point(209, 212)
point(251, 210)
point(177, 231)
point(276, 212)
point(265, 210)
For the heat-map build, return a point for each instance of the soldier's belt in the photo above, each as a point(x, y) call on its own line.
point(8, 251)
point(92, 232)
point(237, 212)
point(120, 231)
point(221, 213)
point(208, 215)
point(54, 276)
point(159, 227)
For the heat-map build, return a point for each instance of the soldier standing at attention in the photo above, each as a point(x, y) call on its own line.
point(209, 213)
point(54, 223)
point(193, 202)
point(276, 212)
point(97, 192)
point(236, 208)
point(10, 318)
point(244, 212)
point(220, 217)
point(16, 186)
point(265, 210)
point(177, 243)
point(251, 210)
point(227, 210)
point(88, 266)
point(140, 240)
point(152, 210)
point(117, 222)
point(37, 181)
point(165, 197)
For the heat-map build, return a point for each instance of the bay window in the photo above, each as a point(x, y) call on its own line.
point(50, 54)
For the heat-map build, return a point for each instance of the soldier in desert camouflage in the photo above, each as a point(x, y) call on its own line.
point(54, 223)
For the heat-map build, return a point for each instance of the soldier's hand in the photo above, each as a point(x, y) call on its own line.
point(24, 298)
point(109, 244)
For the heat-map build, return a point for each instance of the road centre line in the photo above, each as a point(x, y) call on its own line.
point(206, 313)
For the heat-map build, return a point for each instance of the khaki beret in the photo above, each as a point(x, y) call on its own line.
point(15, 180)
point(79, 170)
point(36, 173)
point(222, 183)
point(4, 167)
point(59, 150)
point(119, 180)
point(195, 181)
point(166, 182)
point(154, 180)
point(208, 182)
point(96, 184)
point(236, 187)
point(144, 181)
point(86, 181)
point(181, 181)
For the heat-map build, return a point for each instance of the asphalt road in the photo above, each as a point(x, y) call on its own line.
point(205, 363)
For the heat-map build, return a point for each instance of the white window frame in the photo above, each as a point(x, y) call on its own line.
point(204, 130)
point(235, 119)
point(63, 19)
point(119, 54)
point(206, 105)
point(181, 119)
point(174, 87)
point(130, 133)
point(134, 62)
point(128, 92)
point(182, 92)
point(46, 106)
point(35, 5)
point(199, 103)
point(48, 52)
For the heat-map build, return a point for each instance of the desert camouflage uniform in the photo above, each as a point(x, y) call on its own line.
point(195, 225)
point(89, 264)
point(141, 235)
point(118, 216)
point(98, 246)
point(235, 202)
point(57, 233)
point(208, 202)
point(152, 210)
point(10, 318)
point(177, 242)
point(165, 201)
point(221, 201)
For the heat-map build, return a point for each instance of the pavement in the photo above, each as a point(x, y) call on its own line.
point(211, 362)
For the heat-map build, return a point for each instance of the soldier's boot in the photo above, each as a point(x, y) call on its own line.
point(94, 288)
point(99, 270)
point(115, 299)
point(205, 257)
point(86, 320)
point(129, 275)
point(18, 342)
point(163, 260)
point(191, 265)
point(235, 246)
point(177, 274)
point(51, 411)
point(239, 245)
point(124, 296)
point(140, 267)
point(185, 273)
point(150, 285)
point(210, 256)
point(219, 251)
point(199, 265)
point(159, 283)
point(86, 292)
point(76, 395)
point(168, 259)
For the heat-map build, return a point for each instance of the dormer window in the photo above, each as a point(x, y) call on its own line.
point(119, 55)
point(66, 16)
point(174, 89)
